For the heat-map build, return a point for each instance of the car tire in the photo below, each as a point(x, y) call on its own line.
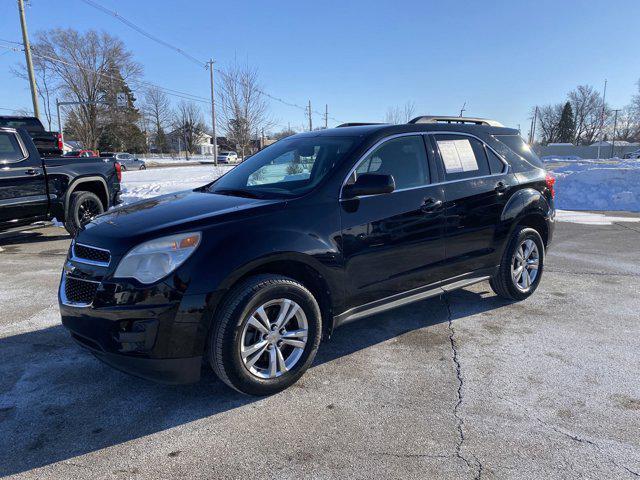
point(143, 167)
point(521, 266)
point(83, 206)
point(242, 349)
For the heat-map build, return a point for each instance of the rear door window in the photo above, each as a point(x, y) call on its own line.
point(10, 150)
point(461, 156)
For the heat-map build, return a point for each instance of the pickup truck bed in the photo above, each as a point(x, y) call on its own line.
point(47, 143)
point(34, 188)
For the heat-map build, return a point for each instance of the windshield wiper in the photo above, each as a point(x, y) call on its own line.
point(237, 192)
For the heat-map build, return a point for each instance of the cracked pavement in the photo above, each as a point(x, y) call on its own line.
point(462, 386)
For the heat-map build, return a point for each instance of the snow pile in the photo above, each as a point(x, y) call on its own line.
point(140, 184)
point(598, 185)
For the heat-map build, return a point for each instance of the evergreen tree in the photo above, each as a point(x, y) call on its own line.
point(120, 130)
point(567, 125)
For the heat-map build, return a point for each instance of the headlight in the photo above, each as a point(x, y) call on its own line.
point(153, 260)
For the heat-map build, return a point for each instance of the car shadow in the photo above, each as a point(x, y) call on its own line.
point(58, 402)
point(31, 236)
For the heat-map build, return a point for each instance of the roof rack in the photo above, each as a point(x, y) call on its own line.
point(358, 124)
point(445, 119)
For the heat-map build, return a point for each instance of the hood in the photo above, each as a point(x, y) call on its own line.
point(164, 214)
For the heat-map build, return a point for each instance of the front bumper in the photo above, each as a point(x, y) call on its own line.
point(154, 332)
point(163, 370)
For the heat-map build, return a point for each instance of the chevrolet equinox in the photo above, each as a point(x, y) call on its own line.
point(251, 271)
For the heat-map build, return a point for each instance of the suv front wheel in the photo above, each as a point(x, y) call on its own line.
point(266, 335)
point(521, 266)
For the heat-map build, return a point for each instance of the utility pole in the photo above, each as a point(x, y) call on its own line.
point(27, 55)
point(532, 130)
point(59, 124)
point(615, 124)
point(326, 116)
point(604, 96)
point(310, 121)
point(462, 110)
point(213, 115)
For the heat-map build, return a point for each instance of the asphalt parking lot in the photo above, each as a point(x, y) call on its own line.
point(464, 386)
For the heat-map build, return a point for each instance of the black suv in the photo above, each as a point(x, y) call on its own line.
point(250, 271)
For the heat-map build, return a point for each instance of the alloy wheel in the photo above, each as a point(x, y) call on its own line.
point(274, 338)
point(524, 265)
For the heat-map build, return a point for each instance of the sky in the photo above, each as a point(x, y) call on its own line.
point(362, 57)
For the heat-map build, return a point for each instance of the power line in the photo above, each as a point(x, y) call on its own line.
point(145, 84)
point(10, 41)
point(140, 30)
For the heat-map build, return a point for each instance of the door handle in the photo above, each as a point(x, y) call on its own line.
point(501, 187)
point(430, 204)
point(32, 171)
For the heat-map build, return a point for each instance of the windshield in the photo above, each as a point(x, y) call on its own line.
point(289, 167)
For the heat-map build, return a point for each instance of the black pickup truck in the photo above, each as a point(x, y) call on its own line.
point(35, 187)
point(49, 144)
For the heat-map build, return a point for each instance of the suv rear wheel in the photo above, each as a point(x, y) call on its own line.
point(266, 335)
point(83, 206)
point(521, 266)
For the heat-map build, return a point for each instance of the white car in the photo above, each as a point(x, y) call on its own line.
point(635, 154)
point(227, 157)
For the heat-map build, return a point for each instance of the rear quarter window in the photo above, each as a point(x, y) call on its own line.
point(521, 148)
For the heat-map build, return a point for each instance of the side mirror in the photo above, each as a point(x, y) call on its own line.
point(369, 184)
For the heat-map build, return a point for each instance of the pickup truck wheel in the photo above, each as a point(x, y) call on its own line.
point(83, 206)
point(266, 335)
point(521, 266)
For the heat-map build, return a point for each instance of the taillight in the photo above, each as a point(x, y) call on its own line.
point(60, 145)
point(118, 171)
point(550, 180)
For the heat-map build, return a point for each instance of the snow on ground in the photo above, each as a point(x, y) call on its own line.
point(598, 185)
point(153, 159)
point(589, 218)
point(177, 160)
point(137, 185)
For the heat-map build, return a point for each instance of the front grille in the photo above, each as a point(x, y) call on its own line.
point(79, 291)
point(92, 254)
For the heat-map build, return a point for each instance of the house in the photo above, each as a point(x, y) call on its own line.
point(176, 143)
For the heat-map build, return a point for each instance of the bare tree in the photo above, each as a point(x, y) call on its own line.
point(549, 123)
point(243, 109)
point(587, 108)
point(188, 124)
point(81, 63)
point(287, 132)
point(157, 114)
point(393, 115)
point(409, 110)
point(396, 115)
point(627, 125)
point(45, 82)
